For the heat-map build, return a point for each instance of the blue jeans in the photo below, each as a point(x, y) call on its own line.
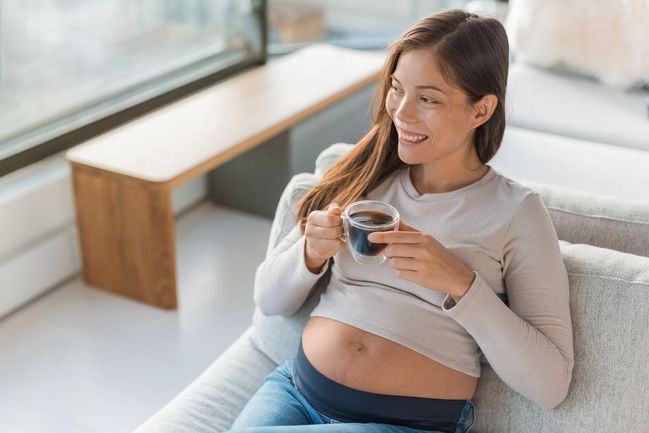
point(278, 407)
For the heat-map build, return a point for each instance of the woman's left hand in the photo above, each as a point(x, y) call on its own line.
point(419, 257)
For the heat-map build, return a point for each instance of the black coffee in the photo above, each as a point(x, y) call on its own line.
point(358, 236)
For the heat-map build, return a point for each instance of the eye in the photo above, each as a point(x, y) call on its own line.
point(396, 89)
point(428, 100)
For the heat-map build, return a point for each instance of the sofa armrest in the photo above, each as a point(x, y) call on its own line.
point(212, 401)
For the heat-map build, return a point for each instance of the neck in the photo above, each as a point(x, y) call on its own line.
point(441, 177)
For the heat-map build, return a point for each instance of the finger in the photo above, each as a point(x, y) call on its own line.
point(334, 208)
point(325, 245)
point(401, 250)
point(393, 237)
point(403, 227)
point(324, 219)
point(333, 221)
point(324, 232)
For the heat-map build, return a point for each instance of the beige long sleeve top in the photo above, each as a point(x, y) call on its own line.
point(516, 313)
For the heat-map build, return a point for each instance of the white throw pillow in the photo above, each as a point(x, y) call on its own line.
point(605, 39)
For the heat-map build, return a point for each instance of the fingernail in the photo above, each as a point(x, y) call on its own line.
point(371, 237)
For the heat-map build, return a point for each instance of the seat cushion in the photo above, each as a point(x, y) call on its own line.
point(609, 303)
point(577, 107)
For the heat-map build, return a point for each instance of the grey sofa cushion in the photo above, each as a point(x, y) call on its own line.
point(279, 336)
point(285, 213)
point(328, 156)
point(212, 402)
point(574, 106)
point(602, 221)
point(609, 301)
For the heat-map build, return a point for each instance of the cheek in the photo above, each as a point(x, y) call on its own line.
point(390, 105)
point(437, 123)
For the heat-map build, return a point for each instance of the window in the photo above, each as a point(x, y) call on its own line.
point(70, 69)
point(362, 24)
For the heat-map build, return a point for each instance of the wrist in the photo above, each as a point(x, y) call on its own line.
point(463, 284)
point(313, 261)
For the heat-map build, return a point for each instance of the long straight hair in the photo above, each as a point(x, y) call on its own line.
point(474, 55)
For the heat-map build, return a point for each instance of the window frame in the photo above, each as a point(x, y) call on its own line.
point(67, 140)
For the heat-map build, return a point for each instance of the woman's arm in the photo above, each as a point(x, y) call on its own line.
point(528, 344)
point(283, 281)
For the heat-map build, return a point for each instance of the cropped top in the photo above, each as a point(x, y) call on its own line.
point(516, 313)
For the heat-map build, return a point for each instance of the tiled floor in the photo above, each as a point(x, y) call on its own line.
point(80, 360)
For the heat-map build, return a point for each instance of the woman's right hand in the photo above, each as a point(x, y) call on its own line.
point(323, 232)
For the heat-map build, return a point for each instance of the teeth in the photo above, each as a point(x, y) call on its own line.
point(414, 138)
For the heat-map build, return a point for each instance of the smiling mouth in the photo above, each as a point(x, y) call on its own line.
point(413, 138)
point(410, 136)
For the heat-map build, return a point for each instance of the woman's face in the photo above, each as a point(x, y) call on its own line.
point(434, 119)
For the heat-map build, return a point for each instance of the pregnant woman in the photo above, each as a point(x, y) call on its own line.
point(474, 271)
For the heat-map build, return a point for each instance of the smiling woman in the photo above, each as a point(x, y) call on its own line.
point(474, 269)
point(436, 123)
point(72, 69)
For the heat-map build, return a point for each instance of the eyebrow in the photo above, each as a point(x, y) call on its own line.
point(419, 87)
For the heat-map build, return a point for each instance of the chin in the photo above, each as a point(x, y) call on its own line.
point(408, 156)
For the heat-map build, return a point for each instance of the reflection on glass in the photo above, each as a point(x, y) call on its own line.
point(363, 24)
point(64, 63)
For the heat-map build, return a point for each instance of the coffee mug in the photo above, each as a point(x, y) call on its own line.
point(362, 218)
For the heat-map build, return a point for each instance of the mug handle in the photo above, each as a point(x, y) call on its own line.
point(345, 222)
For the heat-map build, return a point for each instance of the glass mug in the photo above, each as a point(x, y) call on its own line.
point(362, 218)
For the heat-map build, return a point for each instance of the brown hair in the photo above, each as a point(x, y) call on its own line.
point(474, 56)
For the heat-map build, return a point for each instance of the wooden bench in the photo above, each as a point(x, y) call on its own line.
point(123, 179)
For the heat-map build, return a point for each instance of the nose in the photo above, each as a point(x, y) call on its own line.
point(405, 111)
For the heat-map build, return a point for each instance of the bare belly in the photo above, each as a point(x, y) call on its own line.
point(370, 363)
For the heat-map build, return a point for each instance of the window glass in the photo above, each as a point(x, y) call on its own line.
point(67, 63)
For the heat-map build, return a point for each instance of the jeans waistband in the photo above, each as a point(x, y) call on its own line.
point(351, 405)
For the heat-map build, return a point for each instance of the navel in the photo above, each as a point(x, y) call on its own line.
point(358, 347)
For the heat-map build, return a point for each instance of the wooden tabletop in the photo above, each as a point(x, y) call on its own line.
point(196, 134)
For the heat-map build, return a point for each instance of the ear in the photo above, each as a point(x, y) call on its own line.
point(483, 109)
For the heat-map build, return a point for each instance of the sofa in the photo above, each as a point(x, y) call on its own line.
point(605, 245)
point(566, 104)
point(585, 148)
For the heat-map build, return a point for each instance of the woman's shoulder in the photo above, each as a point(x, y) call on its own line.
point(527, 212)
point(512, 195)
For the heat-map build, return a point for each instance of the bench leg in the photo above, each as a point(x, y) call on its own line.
point(126, 230)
